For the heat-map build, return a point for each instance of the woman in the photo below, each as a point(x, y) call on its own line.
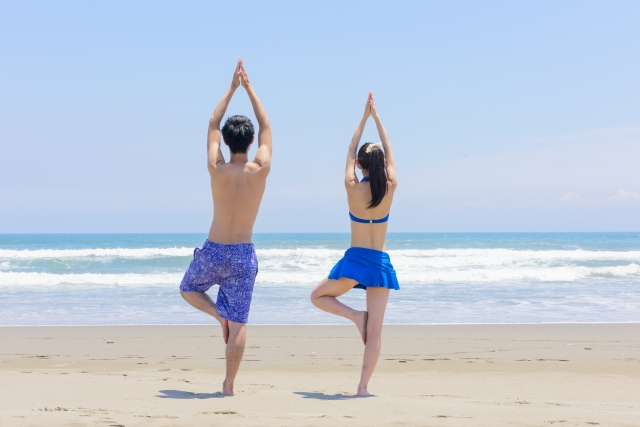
point(365, 265)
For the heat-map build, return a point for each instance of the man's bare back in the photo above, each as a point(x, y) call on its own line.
point(228, 258)
point(237, 191)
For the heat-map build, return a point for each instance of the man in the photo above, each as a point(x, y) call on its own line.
point(228, 257)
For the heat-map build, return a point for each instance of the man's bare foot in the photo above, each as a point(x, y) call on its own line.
point(361, 323)
point(227, 391)
point(225, 329)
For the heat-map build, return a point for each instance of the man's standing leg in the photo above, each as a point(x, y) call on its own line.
point(235, 350)
point(234, 303)
point(234, 336)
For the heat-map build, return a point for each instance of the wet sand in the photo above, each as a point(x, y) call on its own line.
point(458, 375)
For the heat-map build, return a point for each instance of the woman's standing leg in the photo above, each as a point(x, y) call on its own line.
point(376, 305)
point(324, 296)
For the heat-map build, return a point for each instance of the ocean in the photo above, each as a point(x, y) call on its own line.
point(445, 278)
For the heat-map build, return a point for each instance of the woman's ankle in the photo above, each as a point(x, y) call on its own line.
point(362, 390)
point(356, 315)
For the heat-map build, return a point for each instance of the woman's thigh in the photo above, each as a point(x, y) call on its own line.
point(333, 288)
point(376, 305)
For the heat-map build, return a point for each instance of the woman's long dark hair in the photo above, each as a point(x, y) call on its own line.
point(373, 162)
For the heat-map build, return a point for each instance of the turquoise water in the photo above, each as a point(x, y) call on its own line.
point(445, 278)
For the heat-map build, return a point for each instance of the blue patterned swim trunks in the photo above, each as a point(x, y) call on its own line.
point(233, 267)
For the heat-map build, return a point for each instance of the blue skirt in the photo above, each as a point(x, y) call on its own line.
point(368, 267)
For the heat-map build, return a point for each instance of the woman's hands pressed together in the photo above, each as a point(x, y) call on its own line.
point(367, 106)
point(372, 106)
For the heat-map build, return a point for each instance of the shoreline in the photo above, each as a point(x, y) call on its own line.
point(292, 375)
point(633, 322)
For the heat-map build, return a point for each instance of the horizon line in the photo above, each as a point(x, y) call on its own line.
point(322, 232)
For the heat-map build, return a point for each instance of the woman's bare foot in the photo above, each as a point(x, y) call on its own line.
point(362, 392)
point(361, 323)
point(225, 329)
point(227, 391)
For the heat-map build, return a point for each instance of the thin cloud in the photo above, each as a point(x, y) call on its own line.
point(574, 199)
point(622, 196)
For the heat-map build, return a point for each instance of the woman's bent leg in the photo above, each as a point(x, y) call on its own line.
point(376, 305)
point(324, 296)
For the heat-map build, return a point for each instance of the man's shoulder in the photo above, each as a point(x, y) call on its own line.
point(253, 168)
point(248, 168)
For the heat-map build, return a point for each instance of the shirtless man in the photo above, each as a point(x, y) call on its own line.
point(228, 258)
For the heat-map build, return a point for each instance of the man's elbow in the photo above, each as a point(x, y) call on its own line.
point(214, 123)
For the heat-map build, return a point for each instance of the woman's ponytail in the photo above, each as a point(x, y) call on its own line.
point(371, 158)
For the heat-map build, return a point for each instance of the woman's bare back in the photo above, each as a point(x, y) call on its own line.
point(370, 236)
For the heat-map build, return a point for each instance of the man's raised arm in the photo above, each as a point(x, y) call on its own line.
point(214, 154)
point(263, 156)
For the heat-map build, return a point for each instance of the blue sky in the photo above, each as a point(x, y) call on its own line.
point(505, 116)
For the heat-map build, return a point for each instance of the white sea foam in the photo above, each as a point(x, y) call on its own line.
point(19, 279)
point(457, 265)
point(36, 254)
point(436, 257)
point(309, 265)
point(466, 256)
point(313, 275)
point(469, 275)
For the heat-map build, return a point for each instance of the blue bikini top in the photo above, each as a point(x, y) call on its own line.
point(368, 221)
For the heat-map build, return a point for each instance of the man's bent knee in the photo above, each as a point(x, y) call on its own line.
point(189, 296)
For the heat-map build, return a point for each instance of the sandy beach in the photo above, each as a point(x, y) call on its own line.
point(458, 375)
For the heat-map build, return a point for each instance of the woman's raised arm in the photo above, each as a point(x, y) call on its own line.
point(350, 177)
point(386, 143)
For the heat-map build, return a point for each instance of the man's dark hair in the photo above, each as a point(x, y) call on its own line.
point(238, 133)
